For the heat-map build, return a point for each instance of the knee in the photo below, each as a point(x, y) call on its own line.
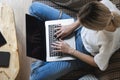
point(33, 9)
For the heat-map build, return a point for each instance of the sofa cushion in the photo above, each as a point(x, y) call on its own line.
point(77, 74)
point(88, 77)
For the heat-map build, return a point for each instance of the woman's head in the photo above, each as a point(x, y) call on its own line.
point(95, 15)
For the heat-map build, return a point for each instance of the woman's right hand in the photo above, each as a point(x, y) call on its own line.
point(63, 31)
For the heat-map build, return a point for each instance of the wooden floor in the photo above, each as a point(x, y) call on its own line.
point(20, 7)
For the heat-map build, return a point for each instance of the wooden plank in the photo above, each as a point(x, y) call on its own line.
point(7, 28)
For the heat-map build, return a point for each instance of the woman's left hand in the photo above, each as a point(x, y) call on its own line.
point(61, 46)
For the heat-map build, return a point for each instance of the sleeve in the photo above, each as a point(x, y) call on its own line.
point(110, 5)
point(102, 58)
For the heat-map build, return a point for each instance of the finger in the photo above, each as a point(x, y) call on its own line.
point(55, 44)
point(59, 35)
point(57, 28)
point(57, 32)
point(60, 40)
point(57, 51)
point(54, 47)
point(59, 25)
point(58, 43)
point(62, 37)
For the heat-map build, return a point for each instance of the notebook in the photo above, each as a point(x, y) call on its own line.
point(40, 35)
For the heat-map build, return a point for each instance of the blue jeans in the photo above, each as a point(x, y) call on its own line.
point(53, 70)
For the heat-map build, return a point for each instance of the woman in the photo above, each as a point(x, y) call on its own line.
point(96, 32)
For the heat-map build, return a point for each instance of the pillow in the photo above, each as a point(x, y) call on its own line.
point(88, 77)
point(77, 74)
point(117, 3)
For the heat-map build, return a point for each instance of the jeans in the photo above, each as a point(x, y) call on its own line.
point(53, 70)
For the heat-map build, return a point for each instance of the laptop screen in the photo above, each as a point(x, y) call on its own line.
point(35, 38)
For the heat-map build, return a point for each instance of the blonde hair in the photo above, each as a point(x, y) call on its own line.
point(96, 15)
point(116, 19)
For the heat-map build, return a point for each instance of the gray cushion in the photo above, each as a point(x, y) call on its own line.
point(88, 77)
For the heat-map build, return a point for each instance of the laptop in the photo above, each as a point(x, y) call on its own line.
point(40, 36)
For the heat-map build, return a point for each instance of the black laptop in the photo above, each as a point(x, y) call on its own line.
point(35, 38)
point(40, 36)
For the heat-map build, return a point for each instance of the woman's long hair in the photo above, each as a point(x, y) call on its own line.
point(116, 19)
point(96, 15)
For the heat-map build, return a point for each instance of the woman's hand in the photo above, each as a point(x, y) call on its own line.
point(61, 46)
point(63, 31)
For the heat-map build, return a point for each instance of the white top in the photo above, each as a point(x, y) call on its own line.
point(101, 44)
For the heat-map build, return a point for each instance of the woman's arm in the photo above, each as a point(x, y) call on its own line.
point(75, 25)
point(83, 57)
point(63, 47)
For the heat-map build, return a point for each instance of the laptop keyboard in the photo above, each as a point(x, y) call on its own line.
point(52, 39)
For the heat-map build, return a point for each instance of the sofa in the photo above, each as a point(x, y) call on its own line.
point(113, 70)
